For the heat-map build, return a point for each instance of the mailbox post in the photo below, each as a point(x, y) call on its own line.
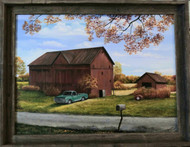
point(120, 107)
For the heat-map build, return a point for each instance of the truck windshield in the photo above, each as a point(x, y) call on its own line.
point(66, 93)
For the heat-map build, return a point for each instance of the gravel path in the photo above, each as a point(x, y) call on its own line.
point(138, 124)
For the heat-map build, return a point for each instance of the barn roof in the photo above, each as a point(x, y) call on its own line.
point(156, 77)
point(76, 56)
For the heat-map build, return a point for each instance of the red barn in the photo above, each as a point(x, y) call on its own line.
point(63, 69)
point(151, 80)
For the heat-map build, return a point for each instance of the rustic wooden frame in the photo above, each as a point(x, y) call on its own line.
point(8, 10)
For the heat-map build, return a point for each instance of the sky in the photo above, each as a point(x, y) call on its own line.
point(70, 34)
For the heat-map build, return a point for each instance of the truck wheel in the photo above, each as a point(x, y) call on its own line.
point(138, 97)
point(82, 99)
point(69, 102)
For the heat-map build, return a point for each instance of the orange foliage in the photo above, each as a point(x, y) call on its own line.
point(125, 79)
point(87, 82)
point(119, 86)
point(115, 28)
point(30, 88)
point(171, 79)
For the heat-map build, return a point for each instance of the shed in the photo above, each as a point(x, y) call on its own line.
point(63, 69)
point(151, 80)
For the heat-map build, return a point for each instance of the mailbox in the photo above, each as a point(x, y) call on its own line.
point(120, 107)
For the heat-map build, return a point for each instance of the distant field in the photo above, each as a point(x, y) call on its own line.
point(130, 84)
point(123, 92)
point(20, 84)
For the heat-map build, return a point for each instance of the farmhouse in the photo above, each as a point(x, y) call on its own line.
point(63, 69)
point(151, 80)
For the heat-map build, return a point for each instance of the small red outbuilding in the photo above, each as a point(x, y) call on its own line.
point(64, 69)
point(151, 80)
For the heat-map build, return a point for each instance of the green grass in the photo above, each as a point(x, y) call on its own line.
point(34, 101)
point(20, 84)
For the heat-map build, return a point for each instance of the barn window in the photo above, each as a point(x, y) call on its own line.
point(102, 73)
point(110, 81)
point(109, 66)
point(93, 66)
point(146, 84)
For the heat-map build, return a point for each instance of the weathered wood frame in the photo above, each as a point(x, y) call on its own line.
point(8, 10)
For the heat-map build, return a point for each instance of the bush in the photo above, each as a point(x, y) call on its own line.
point(119, 86)
point(150, 93)
point(86, 83)
point(172, 88)
point(163, 92)
point(92, 96)
point(24, 77)
point(51, 91)
point(30, 88)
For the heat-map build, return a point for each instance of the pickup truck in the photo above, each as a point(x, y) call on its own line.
point(68, 97)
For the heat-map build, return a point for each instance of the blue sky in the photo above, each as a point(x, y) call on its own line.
point(70, 34)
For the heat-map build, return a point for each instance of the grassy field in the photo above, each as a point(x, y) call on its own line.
point(37, 102)
point(123, 92)
point(20, 84)
point(130, 84)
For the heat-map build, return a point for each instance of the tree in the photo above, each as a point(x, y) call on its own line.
point(117, 69)
point(87, 82)
point(137, 31)
point(159, 73)
point(20, 66)
point(24, 77)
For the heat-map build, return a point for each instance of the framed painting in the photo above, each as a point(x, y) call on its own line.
point(94, 72)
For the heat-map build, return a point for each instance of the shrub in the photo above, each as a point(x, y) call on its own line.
point(172, 88)
point(31, 88)
point(150, 93)
point(24, 77)
point(163, 92)
point(92, 96)
point(51, 91)
point(119, 86)
point(86, 83)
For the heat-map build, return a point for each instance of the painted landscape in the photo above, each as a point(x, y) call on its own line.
point(113, 59)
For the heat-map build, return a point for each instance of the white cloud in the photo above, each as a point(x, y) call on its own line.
point(87, 44)
point(138, 70)
point(117, 54)
point(126, 65)
point(61, 30)
point(52, 44)
point(150, 55)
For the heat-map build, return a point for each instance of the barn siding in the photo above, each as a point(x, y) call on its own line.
point(66, 77)
point(102, 69)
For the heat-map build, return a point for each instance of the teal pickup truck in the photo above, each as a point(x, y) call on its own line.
point(68, 97)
